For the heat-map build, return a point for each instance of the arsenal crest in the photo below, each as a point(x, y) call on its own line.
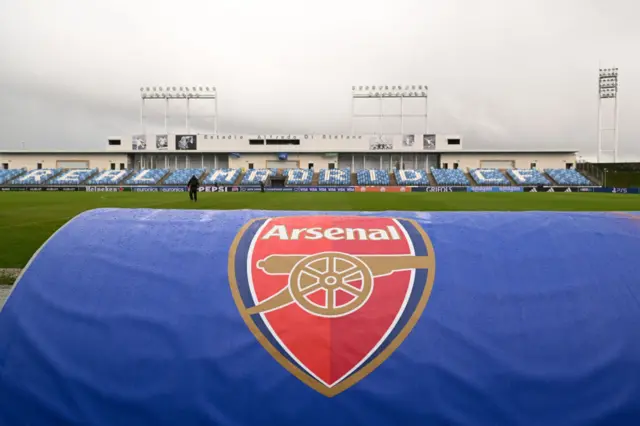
point(331, 297)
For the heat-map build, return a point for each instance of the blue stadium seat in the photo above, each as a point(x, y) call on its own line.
point(73, 177)
point(488, 177)
point(568, 177)
point(222, 177)
point(299, 176)
point(147, 176)
point(36, 177)
point(449, 176)
point(182, 176)
point(528, 177)
point(255, 176)
point(335, 176)
point(108, 177)
point(372, 177)
point(10, 174)
point(411, 177)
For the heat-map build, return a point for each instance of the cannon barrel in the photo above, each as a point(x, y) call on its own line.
point(379, 265)
point(278, 264)
point(383, 265)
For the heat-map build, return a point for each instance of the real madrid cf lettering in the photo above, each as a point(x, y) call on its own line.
point(170, 317)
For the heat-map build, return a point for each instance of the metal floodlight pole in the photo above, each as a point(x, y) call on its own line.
point(391, 92)
point(608, 90)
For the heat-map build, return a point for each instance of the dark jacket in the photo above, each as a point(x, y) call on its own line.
point(193, 184)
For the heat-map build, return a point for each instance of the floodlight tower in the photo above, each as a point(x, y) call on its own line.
point(607, 92)
point(187, 93)
point(380, 93)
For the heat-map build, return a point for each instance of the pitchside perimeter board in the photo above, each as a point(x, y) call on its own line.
point(172, 317)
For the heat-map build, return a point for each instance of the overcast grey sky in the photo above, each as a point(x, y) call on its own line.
point(502, 73)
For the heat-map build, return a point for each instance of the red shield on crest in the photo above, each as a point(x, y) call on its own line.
point(331, 297)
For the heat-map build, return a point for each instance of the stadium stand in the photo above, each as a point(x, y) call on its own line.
point(372, 177)
point(222, 177)
point(449, 176)
point(37, 176)
point(109, 177)
point(488, 177)
point(182, 176)
point(411, 177)
point(147, 177)
point(568, 177)
point(255, 176)
point(299, 176)
point(8, 175)
point(528, 177)
point(73, 177)
point(335, 176)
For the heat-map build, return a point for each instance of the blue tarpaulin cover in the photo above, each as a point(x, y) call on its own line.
point(169, 317)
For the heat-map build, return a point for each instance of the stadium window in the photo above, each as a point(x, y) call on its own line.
point(113, 166)
point(5, 166)
point(283, 141)
point(453, 141)
point(251, 165)
point(569, 166)
point(256, 141)
point(445, 165)
point(310, 165)
point(121, 166)
point(113, 142)
point(455, 165)
point(39, 166)
point(533, 165)
point(332, 166)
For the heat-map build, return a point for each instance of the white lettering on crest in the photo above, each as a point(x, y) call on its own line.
point(333, 234)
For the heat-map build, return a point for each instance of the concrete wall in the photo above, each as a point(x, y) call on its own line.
point(521, 161)
point(31, 160)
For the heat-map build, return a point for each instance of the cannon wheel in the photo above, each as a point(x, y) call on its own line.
point(331, 272)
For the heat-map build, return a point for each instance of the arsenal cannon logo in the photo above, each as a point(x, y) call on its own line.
point(331, 297)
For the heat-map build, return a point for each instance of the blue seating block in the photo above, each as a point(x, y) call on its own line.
point(335, 176)
point(36, 177)
point(73, 177)
point(488, 177)
point(147, 177)
point(411, 177)
point(182, 176)
point(255, 176)
point(449, 176)
point(372, 177)
point(568, 177)
point(528, 177)
point(108, 177)
point(7, 176)
point(299, 176)
point(222, 177)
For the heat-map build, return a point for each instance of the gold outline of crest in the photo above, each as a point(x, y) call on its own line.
point(374, 363)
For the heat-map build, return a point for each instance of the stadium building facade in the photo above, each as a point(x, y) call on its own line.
point(324, 151)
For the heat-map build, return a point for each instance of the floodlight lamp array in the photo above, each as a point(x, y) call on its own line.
point(608, 72)
point(409, 91)
point(175, 92)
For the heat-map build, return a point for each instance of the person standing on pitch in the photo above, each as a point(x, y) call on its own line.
point(193, 185)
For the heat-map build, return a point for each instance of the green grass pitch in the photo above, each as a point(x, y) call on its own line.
point(27, 219)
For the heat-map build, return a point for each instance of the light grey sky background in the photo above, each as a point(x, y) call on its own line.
point(502, 73)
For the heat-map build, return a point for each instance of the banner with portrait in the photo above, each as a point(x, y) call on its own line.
point(162, 142)
point(186, 142)
point(139, 143)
